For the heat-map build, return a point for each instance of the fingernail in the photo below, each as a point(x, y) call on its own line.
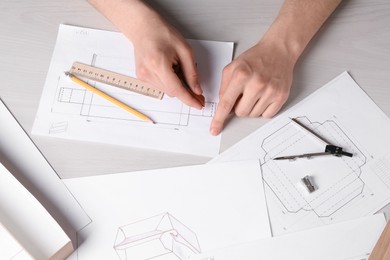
point(198, 106)
point(214, 131)
point(202, 100)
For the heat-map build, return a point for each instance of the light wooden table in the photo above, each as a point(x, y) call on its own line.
point(356, 38)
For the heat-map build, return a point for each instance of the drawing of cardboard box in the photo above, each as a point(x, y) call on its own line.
point(158, 237)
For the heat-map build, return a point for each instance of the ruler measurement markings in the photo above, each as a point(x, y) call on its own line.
point(116, 80)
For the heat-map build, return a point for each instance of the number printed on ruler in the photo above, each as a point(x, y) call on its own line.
point(116, 80)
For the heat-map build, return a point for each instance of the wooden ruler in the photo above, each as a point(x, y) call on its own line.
point(116, 80)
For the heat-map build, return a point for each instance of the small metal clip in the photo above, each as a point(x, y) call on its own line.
point(306, 181)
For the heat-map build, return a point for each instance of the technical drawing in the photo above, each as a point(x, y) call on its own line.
point(58, 127)
point(158, 237)
point(73, 100)
point(382, 169)
point(339, 177)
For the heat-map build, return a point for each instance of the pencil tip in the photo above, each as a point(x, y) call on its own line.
point(67, 73)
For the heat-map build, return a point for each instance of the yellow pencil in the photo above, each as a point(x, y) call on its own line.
point(108, 98)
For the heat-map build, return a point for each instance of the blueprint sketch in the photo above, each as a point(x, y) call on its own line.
point(69, 111)
point(341, 176)
point(156, 237)
point(347, 187)
point(171, 213)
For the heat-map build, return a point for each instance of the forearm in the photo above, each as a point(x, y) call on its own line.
point(132, 17)
point(297, 23)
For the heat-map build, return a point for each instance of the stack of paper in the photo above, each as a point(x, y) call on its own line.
point(220, 211)
point(210, 211)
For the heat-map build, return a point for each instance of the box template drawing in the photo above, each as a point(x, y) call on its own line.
point(158, 237)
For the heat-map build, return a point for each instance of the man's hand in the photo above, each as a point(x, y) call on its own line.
point(157, 54)
point(158, 47)
point(257, 83)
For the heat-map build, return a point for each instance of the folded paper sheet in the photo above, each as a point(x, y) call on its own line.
point(28, 222)
point(68, 111)
point(171, 213)
point(19, 154)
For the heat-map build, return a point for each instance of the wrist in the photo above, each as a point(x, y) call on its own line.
point(132, 17)
point(297, 23)
point(287, 38)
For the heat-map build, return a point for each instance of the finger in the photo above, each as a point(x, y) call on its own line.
point(226, 78)
point(248, 101)
point(174, 88)
point(266, 108)
point(261, 105)
point(224, 107)
point(270, 102)
point(188, 68)
point(177, 69)
point(272, 109)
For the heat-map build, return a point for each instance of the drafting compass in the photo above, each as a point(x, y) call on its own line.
point(330, 149)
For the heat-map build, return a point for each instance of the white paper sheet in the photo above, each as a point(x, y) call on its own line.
point(28, 222)
point(173, 212)
point(19, 154)
point(69, 111)
point(347, 187)
point(351, 240)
